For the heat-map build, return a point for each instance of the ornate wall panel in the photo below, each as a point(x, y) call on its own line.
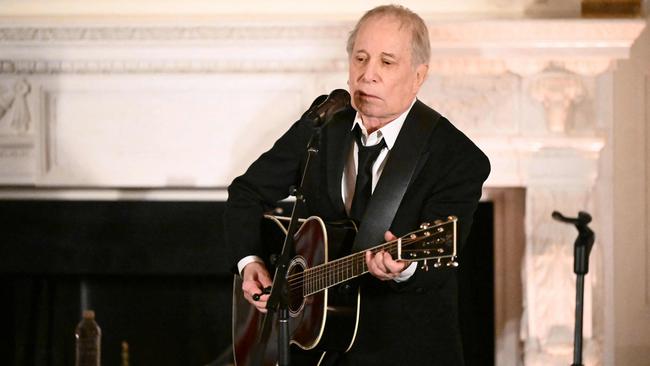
point(161, 131)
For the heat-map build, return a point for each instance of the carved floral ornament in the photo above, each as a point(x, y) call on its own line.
point(14, 112)
point(557, 91)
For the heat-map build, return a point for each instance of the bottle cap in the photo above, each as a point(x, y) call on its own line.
point(89, 314)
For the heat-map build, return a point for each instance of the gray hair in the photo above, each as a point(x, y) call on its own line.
point(420, 46)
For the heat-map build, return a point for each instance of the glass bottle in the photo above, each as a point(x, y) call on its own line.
point(88, 340)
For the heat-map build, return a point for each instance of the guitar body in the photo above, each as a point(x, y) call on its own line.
point(322, 321)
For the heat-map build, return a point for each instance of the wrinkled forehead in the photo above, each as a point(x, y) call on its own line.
point(384, 27)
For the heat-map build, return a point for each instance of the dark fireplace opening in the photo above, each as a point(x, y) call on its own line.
point(476, 289)
point(156, 273)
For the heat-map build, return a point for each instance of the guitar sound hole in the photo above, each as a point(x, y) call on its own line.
point(296, 298)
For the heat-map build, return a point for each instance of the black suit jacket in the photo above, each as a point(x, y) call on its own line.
point(409, 323)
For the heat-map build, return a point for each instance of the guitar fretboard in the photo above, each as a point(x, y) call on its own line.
point(332, 273)
point(430, 242)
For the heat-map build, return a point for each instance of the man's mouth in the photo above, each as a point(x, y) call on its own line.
point(365, 95)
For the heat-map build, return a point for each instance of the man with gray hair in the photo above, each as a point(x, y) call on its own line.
point(407, 316)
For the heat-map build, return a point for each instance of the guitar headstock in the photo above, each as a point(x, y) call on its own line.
point(433, 241)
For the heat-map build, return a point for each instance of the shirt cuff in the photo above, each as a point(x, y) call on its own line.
point(246, 261)
point(407, 273)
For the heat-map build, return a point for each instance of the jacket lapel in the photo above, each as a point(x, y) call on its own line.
point(403, 165)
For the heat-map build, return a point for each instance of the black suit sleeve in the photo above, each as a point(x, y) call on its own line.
point(460, 192)
point(463, 170)
point(266, 182)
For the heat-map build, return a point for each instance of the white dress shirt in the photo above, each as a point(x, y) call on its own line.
point(389, 133)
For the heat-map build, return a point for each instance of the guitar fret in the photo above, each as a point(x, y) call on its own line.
point(326, 275)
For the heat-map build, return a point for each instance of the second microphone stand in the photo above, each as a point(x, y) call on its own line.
point(583, 244)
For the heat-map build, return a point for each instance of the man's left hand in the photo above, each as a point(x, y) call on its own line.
point(382, 265)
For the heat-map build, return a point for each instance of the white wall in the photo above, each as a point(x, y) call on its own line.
point(631, 207)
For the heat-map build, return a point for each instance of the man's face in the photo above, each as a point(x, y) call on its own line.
point(382, 78)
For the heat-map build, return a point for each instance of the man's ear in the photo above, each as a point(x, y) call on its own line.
point(420, 75)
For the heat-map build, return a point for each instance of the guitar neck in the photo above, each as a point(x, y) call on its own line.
point(430, 242)
point(332, 273)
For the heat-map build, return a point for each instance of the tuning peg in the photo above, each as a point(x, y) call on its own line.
point(452, 262)
point(424, 225)
point(438, 264)
point(425, 266)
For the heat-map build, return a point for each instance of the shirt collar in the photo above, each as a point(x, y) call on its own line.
point(389, 131)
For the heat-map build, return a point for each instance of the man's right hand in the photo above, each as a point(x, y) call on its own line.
point(255, 278)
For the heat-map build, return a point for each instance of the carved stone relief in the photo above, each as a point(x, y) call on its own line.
point(17, 146)
point(15, 118)
point(557, 92)
point(477, 104)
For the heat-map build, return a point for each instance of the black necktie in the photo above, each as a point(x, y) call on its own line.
point(363, 186)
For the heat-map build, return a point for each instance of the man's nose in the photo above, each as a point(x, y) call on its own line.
point(371, 72)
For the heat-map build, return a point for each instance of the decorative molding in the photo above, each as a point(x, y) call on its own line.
point(557, 91)
point(466, 47)
point(565, 33)
point(169, 66)
point(15, 117)
point(531, 144)
point(173, 34)
point(588, 66)
point(467, 66)
point(438, 66)
point(14, 152)
point(575, 33)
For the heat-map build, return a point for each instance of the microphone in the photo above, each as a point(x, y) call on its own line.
point(320, 114)
point(582, 219)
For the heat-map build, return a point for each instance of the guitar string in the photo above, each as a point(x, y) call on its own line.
point(323, 277)
point(316, 281)
point(324, 273)
point(338, 263)
point(320, 277)
point(334, 268)
point(315, 275)
point(328, 265)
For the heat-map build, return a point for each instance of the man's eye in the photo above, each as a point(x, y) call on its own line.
point(387, 62)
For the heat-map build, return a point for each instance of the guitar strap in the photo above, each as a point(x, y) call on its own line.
point(400, 167)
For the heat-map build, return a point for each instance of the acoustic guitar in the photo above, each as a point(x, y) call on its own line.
point(323, 301)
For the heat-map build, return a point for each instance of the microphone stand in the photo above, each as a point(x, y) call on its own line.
point(279, 297)
point(583, 244)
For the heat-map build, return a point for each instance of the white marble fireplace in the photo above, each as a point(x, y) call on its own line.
point(157, 110)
